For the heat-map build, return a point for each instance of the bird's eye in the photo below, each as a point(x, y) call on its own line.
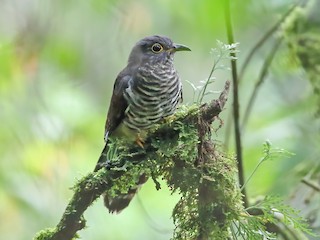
point(156, 48)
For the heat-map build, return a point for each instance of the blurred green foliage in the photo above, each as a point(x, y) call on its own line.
point(58, 61)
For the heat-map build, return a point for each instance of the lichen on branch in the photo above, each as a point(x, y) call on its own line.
point(180, 151)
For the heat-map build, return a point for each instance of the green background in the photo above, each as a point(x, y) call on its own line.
point(58, 62)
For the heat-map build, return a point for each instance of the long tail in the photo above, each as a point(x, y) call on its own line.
point(121, 201)
point(118, 203)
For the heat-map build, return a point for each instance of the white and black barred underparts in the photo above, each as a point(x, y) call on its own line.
point(153, 94)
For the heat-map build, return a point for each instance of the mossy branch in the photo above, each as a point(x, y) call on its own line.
point(181, 152)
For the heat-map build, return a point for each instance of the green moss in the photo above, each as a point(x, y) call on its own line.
point(182, 153)
point(209, 200)
point(45, 234)
point(175, 144)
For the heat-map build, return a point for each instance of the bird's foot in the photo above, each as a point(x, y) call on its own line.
point(140, 141)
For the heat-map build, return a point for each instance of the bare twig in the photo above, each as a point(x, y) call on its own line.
point(261, 78)
point(248, 59)
point(311, 184)
point(236, 114)
point(308, 178)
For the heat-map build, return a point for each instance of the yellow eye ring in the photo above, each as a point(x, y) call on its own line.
point(156, 48)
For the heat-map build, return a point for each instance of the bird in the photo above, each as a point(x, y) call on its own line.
point(145, 92)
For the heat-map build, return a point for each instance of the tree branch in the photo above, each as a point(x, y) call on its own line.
point(133, 159)
point(261, 78)
point(248, 59)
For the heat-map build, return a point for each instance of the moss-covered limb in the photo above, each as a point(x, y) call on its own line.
point(85, 192)
point(210, 200)
point(211, 110)
point(218, 200)
point(171, 152)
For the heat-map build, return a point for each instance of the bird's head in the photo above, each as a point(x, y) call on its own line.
point(154, 49)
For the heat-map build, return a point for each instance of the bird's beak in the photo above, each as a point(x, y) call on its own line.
point(180, 47)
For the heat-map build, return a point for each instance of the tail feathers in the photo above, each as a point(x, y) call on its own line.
point(120, 202)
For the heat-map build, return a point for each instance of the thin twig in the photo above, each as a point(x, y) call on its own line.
point(204, 89)
point(235, 102)
point(260, 80)
point(255, 48)
point(311, 184)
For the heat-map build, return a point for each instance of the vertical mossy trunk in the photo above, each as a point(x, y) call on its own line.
point(219, 200)
point(210, 198)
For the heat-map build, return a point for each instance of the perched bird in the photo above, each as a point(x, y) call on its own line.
point(146, 91)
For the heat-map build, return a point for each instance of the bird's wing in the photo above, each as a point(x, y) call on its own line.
point(118, 104)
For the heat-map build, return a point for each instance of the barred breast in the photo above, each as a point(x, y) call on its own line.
point(153, 94)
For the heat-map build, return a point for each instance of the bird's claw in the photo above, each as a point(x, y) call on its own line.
point(140, 141)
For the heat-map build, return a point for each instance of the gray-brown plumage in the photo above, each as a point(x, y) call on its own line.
point(146, 91)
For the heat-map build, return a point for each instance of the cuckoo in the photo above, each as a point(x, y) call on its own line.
point(145, 92)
